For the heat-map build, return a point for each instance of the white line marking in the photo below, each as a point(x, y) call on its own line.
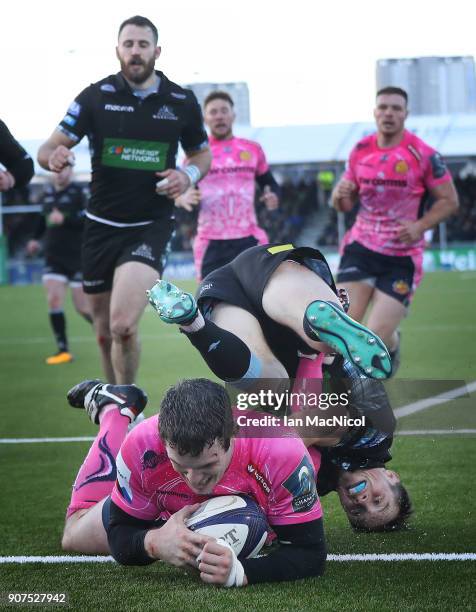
point(404, 432)
point(341, 558)
point(433, 401)
point(433, 432)
point(34, 440)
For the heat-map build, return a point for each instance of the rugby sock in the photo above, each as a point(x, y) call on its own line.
point(308, 380)
point(97, 475)
point(58, 325)
point(226, 355)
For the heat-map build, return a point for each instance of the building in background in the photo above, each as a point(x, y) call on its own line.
point(435, 85)
point(238, 91)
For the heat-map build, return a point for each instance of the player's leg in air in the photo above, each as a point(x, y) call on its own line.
point(114, 408)
point(281, 285)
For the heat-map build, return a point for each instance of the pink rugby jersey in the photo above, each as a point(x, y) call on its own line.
point(392, 183)
point(227, 207)
point(277, 472)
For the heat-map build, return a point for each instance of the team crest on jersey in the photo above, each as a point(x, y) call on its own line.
point(245, 155)
point(401, 167)
point(302, 486)
point(165, 112)
point(401, 287)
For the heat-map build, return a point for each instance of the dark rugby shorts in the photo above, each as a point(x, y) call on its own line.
point(242, 283)
point(221, 252)
point(106, 247)
point(396, 276)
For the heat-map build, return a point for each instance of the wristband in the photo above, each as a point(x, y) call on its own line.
point(193, 173)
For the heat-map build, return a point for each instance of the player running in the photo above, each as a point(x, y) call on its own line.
point(132, 495)
point(227, 223)
point(390, 173)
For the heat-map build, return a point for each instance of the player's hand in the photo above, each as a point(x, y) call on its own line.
point(32, 247)
point(174, 542)
point(189, 199)
point(269, 198)
point(7, 180)
point(216, 563)
point(55, 217)
point(60, 158)
point(345, 189)
point(172, 183)
point(409, 232)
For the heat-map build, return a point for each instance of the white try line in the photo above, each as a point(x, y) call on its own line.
point(442, 398)
point(340, 558)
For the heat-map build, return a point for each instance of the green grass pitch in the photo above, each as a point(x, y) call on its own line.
point(439, 340)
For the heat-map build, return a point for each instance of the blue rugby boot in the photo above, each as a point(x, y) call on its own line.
point(93, 395)
point(355, 342)
point(172, 304)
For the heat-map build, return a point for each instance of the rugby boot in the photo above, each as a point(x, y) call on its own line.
point(93, 395)
point(172, 304)
point(352, 340)
point(59, 358)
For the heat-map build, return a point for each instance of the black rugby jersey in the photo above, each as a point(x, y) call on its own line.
point(64, 239)
point(130, 139)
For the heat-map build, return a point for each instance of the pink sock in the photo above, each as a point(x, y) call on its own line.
point(97, 475)
point(308, 380)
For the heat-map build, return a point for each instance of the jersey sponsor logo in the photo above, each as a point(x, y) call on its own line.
point(69, 120)
point(74, 108)
point(119, 108)
point(302, 486)
point(260, 479)
point(233, 170)
point(381, 182)
point(134, 154)
point(179, 96)
point(401, 287)
point(123, 478)
point(108, 87)
point(144, 251)
point(438, 167)
point(245, 155)
point(401, 167)
point(165, 112)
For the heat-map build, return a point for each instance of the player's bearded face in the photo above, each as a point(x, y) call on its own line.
point(219, 117)
point(137, 52)
point(203, 472)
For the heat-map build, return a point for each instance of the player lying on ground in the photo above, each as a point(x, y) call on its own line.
point(165, 469)
point(267, 301)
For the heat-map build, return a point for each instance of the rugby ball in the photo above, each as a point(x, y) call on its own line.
point(238, 520)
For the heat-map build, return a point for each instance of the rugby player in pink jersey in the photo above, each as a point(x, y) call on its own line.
point(227, 222)
point(390, 173)
point(133, 494)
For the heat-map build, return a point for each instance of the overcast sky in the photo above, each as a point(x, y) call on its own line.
point(305, 61)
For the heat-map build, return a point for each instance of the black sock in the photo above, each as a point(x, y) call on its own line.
point(226, 355)
point(58, 325)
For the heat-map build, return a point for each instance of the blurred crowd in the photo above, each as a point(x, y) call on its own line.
point(300, 200)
